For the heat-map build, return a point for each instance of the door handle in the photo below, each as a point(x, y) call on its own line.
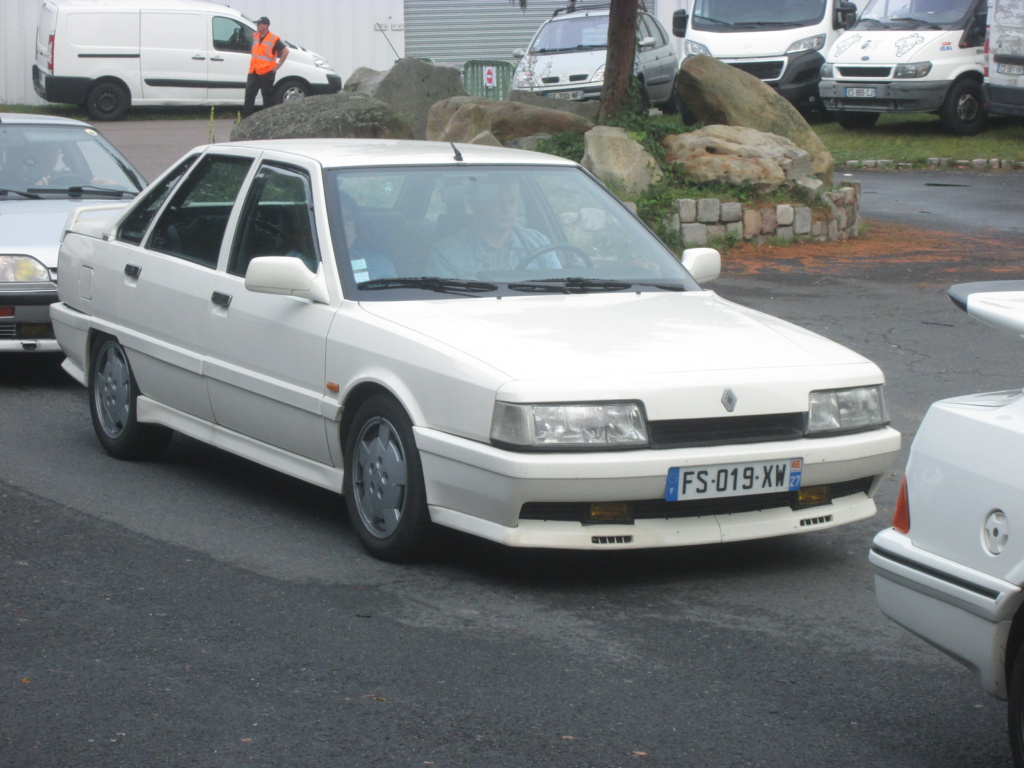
point(221, 299)
point(216, 58)
point(133, 271)
point(198, 57)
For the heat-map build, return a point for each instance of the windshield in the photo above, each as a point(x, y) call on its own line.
point(747, 15)
point(61, 161)
point(581, 33)
point(476, 231)
point(914, 14)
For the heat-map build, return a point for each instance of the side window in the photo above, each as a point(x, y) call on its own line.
point(192, 225)
point(231, 35)
point(277, 220)
point(656, 31)
point(134, 227)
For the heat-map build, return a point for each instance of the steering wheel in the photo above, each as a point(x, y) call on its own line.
point(572, 250)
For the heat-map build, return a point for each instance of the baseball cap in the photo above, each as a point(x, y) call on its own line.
point(263, 20)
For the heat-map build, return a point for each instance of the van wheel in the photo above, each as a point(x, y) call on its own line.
point(107, 101)
point(854, 120)
point(963, 112)
point(290, 90)
point(1015, 710)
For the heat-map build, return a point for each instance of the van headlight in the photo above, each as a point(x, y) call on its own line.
point(576, 426)
point(846, 410)
point(815, 43)
point(921, 69)
point(322, 63)
point(691, 48)
point(523, 79)
point(598, 75)
point(827, 71)
point(23, 269)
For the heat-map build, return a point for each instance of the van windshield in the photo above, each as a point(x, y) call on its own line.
point(585, 33)
point(914, 14)
point(747, 15)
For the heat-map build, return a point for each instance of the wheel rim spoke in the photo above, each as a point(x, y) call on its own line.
point(381, 476)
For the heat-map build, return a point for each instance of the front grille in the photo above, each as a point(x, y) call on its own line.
point(882, 72)
point(653, 509)
point(763, 70)
point(689, 433)
point(578, 78)
point(549, 80)
point(8, 331)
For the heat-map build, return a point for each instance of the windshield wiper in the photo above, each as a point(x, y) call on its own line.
point(882, 24)
point(85, 189)
point(710, 20)
point(439, 284)
point(570, 285)
point(29, 195)
point(920, 22)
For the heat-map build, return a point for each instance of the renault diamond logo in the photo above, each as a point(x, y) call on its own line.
point(729, 400)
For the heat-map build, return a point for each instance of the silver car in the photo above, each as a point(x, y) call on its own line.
point(566, 58)
point(48, 167)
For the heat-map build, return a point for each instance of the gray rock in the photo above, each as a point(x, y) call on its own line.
point(619, 161)
point(460, 118)
point(333, 116)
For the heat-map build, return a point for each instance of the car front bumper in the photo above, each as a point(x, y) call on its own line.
point(894, 96)
point(962, 612)
point(482, 490)
point(25, 317)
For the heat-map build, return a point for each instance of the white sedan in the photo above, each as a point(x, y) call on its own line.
point(472, 337)
point(951, 567)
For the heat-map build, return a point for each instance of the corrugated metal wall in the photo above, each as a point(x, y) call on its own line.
point(348, 33)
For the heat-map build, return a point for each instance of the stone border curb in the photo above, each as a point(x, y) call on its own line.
point(937, 162)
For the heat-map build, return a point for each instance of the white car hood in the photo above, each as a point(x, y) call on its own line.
point(34, 227)
point(564, 64)
point(886, 46)
point(593, 335)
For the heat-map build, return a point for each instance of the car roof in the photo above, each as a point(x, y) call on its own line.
point(581, 12)
point(355, 153)
point(18, 118)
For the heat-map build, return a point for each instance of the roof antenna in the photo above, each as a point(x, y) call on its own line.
point(458, 155)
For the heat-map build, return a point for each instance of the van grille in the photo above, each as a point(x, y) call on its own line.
point(764, 70)
point(882, 72)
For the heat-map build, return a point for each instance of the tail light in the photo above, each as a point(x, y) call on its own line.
point(49, 56)
point(901, 517)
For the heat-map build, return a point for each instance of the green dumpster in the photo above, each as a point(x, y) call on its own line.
point(487, 78)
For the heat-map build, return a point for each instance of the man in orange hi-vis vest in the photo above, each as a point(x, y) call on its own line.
point(268, 54)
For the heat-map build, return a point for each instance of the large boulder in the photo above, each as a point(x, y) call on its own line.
point(740, 156)
point(618, 160)
point(333, 116)
point(718, 93)
point(463, 118)
point(411, 87)
point(587, 109)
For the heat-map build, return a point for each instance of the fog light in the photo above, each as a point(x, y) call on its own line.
point(610, 512)
point(813, 496)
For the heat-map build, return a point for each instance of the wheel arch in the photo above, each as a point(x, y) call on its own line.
point(359, 395)
point(1014, 643)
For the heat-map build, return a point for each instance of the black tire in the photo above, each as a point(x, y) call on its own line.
point(1015, 710)
point(107, 101)
point(854, 120)
point(112, 403)
point(290, 90)
point(672, 106)
point(384, 491)
point(963, 111)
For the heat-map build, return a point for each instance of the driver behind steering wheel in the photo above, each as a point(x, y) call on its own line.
point(493, 241)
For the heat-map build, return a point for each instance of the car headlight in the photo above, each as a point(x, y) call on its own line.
point(523, 79)
point(846, 410)
point(22, 269)
point(599, 75)
point(322, 63)
point(691, 48)
point(569, 426)
point(921, 69)
point(815, 43)
point(828, 70)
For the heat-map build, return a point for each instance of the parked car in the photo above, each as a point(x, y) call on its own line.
point(474, 337)
point(565, 59)
point(1004, 58)
point(950, 568)
point(48, 167)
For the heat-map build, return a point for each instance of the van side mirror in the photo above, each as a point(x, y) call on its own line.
point(846, 15)
point(679, 21)
point(518, 53)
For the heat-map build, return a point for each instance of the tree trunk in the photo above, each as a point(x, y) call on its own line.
point(618, 70)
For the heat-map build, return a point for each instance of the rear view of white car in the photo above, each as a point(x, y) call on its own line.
point(951, 569)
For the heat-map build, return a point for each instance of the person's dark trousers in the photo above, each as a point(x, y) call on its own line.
point(262, 83)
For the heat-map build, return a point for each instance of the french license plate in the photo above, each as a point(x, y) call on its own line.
point(718, 480)
point(566, 95)
point(861, 93)
point(1010, 69)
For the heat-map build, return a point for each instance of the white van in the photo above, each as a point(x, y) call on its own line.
point(782, 42)
point(106, 55)
point(910, 56)
point(1004, 49)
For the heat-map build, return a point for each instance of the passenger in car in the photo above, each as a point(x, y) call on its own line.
point(366, 264)
point(493, 241)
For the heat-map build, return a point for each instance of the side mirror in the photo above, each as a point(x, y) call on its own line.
point(518, 53)
point(679, 21)
point(286, 276)
point(703, 264)
point(846, 15)
point(645, 43)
